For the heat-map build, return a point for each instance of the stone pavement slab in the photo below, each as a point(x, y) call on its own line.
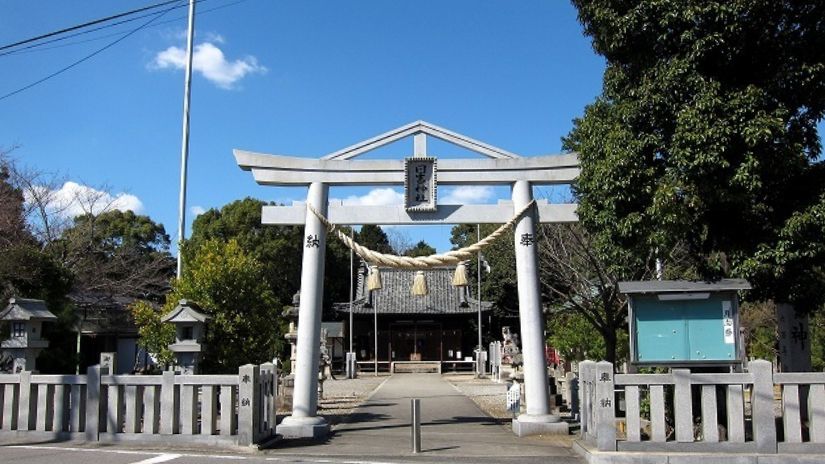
point(453, 428)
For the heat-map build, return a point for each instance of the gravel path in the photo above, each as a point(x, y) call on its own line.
point(490, 396)
point(343, 395)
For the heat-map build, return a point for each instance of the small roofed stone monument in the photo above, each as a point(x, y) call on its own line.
point(190, 328)
point(26, 319)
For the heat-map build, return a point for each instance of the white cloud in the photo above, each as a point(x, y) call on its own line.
point(73, 199)
point(210, 61)
point(215, 38)
point(376, 197)
point(197, 210)
point(466, 194)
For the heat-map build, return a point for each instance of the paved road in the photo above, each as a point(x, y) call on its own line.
point(453, 430)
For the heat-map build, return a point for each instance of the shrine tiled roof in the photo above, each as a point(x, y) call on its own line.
point(395, 296)
point(24, 309)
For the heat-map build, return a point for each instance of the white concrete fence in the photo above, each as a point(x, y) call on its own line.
point(168, 408)
point(737, 412)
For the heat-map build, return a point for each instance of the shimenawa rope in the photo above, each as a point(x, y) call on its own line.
point(420, 262)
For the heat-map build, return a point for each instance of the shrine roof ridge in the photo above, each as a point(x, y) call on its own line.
point(395, 298)
point(679, 286)
point(24, 309)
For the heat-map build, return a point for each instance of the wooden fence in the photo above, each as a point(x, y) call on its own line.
point(209, 409)
point(757, 411)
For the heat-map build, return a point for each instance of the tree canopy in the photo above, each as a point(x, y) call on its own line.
point(500, 285)
point(421, 248)
point(25, 269)
point(117, 253)
point(705, 137)
point(276, 248)
point(230, 285)
point(279, 249)
point(374, 238)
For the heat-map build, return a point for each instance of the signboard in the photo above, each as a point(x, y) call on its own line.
point(514, 398)
point(694, 331)
point(684, 323)
point(420, 184)
point(727, 323)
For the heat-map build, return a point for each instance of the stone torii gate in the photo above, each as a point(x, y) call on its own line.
point(421, 207)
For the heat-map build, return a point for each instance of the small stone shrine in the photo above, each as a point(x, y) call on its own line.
point(25, 340)
point(190, 328)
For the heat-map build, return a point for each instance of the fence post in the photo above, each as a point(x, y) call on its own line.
point(683, 405)
point(270, 372)
point(249, 416)
point(584, 398)
point(93, 403)
point(24, 403)
point(11, 402)
point(605, 412)
point(764, 423)
point(168, 405)
point(573, 393)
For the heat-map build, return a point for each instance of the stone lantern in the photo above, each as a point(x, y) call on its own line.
point(25, 318)
point(190, 328)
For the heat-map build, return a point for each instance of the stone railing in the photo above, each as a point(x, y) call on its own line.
point(691, 412)
point(168, 408)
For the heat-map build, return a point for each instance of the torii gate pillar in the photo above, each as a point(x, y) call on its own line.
point(304, 421)
point(538, 418)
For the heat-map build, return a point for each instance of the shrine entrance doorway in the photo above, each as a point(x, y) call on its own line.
point(417, 341)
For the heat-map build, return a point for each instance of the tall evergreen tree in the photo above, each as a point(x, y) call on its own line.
point(705, 135)
point(374, 238)
point(421, 248)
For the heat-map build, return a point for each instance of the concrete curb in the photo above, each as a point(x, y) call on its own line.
point(593, 456)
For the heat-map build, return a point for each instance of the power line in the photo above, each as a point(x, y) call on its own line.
point(76, 34)
point(96, 52)
point(41, 46)
point(90, 23)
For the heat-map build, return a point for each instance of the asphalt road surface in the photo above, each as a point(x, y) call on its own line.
point(56, 454)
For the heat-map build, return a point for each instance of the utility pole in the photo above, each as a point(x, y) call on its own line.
point(350, 355)
point(479, 365)
point(184, 149)
point(375, 328)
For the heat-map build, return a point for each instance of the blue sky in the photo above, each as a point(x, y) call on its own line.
point(301, 78)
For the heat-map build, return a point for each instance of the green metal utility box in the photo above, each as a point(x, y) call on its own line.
point(675, 323)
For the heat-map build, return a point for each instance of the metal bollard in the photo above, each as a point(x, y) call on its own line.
point(415, 413)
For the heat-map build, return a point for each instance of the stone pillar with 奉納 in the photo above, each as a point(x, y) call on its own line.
point(539, 418)
point(304, 421)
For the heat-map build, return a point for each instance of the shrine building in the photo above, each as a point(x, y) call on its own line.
point(438, 326)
